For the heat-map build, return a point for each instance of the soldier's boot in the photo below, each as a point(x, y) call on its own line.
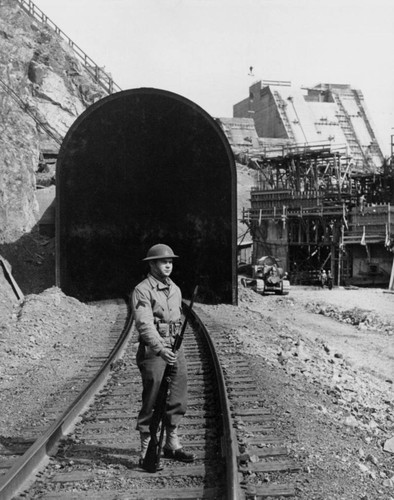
point(173, 449)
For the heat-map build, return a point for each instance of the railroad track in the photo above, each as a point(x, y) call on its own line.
point(227, 426)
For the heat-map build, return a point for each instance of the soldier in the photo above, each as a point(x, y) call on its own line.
point(157, 308)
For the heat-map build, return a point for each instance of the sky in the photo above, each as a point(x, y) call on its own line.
point(203, 49)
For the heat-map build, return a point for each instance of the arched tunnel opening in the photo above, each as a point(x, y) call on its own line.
point(141, 167)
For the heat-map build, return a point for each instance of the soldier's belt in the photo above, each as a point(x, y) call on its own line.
point(168, 328)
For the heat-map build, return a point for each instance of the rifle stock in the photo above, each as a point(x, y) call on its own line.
point(151, 462)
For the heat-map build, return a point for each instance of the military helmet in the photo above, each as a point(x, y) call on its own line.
point(160, 251)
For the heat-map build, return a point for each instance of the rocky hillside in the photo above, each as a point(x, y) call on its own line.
point(43, 89)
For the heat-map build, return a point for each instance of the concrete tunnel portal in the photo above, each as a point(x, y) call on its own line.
point(140, 167)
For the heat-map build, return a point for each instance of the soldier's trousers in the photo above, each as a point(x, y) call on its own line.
point(152, 369)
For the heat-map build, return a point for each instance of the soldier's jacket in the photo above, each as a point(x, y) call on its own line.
point(157, 309)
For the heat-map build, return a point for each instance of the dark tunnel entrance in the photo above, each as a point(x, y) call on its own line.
point(137, 168)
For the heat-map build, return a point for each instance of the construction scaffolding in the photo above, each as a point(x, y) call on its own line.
point(309, 207)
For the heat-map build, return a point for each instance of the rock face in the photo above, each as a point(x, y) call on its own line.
point(43, 89)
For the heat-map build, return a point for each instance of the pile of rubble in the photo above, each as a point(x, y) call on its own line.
point(364, 320)
point(45, 341)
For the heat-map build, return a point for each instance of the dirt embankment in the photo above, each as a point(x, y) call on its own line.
point(46, 338)
point(44, 344)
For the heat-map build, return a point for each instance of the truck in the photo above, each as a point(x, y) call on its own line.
point(268, 276)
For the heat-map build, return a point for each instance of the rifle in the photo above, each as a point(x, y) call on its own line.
point(151, 462)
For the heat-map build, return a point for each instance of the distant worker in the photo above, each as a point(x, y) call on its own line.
point(157, 308)
point(361, 203)
point(329, 280)
point(323, 278)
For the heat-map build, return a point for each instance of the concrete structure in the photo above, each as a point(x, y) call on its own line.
point(327, 113)
point(241, 134)
point(324, 198)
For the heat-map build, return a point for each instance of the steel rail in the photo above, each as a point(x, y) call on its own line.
point(229, 438)
point(29, 463)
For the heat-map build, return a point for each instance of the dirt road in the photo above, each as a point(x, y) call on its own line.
point(368, 346)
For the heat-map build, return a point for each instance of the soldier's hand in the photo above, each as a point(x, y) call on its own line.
point(168, 356)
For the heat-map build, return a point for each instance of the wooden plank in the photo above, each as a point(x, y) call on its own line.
point(122, 391)
point(272, 466)
point(191, 418)
point(88, 475)
point(255, 428)
point(263, 440)
point(8, 276)
point(79, 452)
point(125, 422)
point(134, 442)
point(255, 418)
point(268, 451)
point(241, 377)
point(243, 399)
point(243, 371)
point(241, 412)
point(136, 494)
point(249, 396)
point(271, 490)
point(250, 386)
point(105, 425)
point(238, 363)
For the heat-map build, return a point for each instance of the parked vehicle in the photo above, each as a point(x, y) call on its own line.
point(268, 276)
